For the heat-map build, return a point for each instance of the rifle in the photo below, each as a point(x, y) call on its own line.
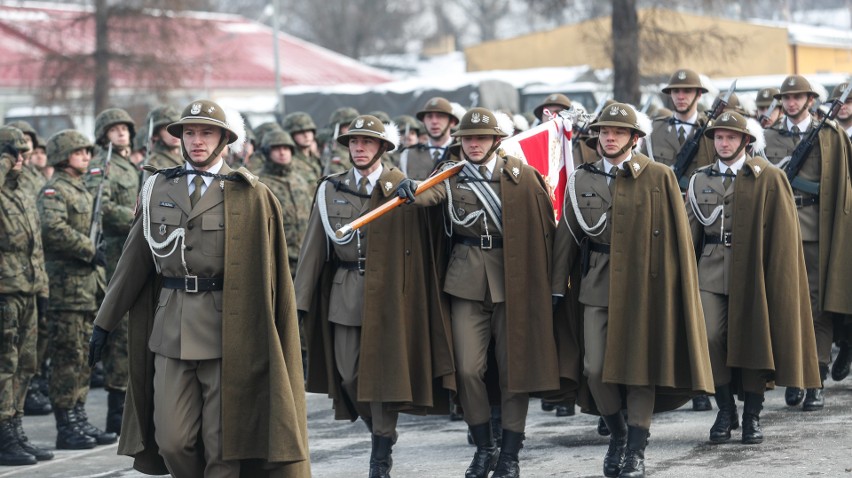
point(148, 145)
point(328, 150)
point(803, 149)
point(583, 126)
point(647, 105)
point(380, 211)
point(690, 147)
point(96, 230)
point(764, 118)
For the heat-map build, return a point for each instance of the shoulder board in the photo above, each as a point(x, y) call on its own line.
point(247, 175)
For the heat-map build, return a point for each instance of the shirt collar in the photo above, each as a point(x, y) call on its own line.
point(608, 165)
point(734, 167)
point(803, 125)
point(213, 170)
point(371, 178)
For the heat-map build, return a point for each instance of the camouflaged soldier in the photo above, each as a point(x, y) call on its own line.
point(292, 191)
point(23, 296)
point(439, 118)
point(72, 259)
point(821, 190)
point(410, 129)
point(256, 159)
point(165, 148)
point(303, 130)
point(121, 187)
point(30, 179)
point(763, 101)
point(335, 155)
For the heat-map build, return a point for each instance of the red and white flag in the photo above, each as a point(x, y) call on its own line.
point(547, 148)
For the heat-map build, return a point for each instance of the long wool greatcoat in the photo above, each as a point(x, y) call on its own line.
point(656, 333)
point(264, 418)
point(770, 327)
point(406, 354)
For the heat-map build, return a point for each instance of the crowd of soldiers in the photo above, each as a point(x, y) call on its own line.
point(669, 276)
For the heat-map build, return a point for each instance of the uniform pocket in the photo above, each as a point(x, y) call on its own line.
point(213, 231)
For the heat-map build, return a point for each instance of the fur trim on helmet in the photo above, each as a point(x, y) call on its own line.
point(458, 110)
point(644, 122)
point(754, 128)
point(520, 123)
point(392, 134)
point(504, 122)
point(235, 121)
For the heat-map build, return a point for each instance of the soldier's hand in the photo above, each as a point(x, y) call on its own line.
point(100, 258)
point(406, 190)
point(557, 299)
point(97, 345)
point(41, 307)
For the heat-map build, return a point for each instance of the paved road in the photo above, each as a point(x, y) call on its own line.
point(797, 444)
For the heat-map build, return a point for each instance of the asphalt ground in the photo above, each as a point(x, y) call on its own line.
point(797, 444)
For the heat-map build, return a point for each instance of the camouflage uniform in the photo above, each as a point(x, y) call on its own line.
point(307, 164)
point(164, 158)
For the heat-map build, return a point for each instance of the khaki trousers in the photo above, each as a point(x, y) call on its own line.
point(187, 400)
point(347, 351)
point(474, 323)
point(823, 325)
point(640, 400)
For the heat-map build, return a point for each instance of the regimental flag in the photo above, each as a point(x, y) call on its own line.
point(548, 149)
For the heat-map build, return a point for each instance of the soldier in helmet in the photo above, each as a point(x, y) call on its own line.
point(165, 148)
point(220, 351)
point(844, 116)
point(439, 118)
point(410, 129)
point(30, 178)
point(671, 132)
point(303, 130)
point(334, 154)
point(745, 326)
point(625, 223)
point(23, 299)
point(65, 206)
point(763, 101)
point(38, 158)
point(553, 103)
point(366, 297)
point(501, 227)
point(821, 190)
point(121, 188)
point(257, 159)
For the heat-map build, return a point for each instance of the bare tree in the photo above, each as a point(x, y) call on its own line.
point(626, 51)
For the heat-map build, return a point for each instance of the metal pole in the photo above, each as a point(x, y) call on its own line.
point(278, 93)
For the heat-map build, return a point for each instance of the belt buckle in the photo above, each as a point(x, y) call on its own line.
point(362, 262)
point(485, 242)
point(726, 239)
point(190, 284)
point(797, 198)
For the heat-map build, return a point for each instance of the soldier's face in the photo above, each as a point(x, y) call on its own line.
point(726, 143)
point(281, 155)
point(304, 139)
point(612, 138)
point(38, 158)
point(78, 161)
point(200, 141)
point(684, 99)
point(363, 149)
point(19, 163)
point(796, 104)
point(119, 135)
point(845, 112)
point(167, 139)
point(772, 115)
point(412, 138)
point(476, 147)
point(436, 124)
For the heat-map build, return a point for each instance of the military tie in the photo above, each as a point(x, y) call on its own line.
point(362, 188)
point(483, 170)
point(796, 133)
point(436, 154)
point(198, 181)
point(726, 182)
point(610, 180)
point(681, 134)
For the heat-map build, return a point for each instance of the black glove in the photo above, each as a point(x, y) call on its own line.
point(100, 258)
point(406, 189)
point(97, 345)
point(556, 301)
point(41, 307)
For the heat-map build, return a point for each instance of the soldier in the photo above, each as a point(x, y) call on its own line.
point(256, 159)
point(72, 259)
point(334, 156)
point(165, 148)
point(625, 222)
point(294, 194)
point(302, 129)
point(121, 187)
point(30, 178)
point(553, 103)
point(502, 229)
point(751, 272)
point(763, 102)
point(38, 158)
point(844, 116)
point(671, 132)
point(821, 188)
point(409, 130)
point(23, 298)
point(219, 354)
point(438, 117)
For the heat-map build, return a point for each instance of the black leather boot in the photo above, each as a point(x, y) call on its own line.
point(727, 418)
point(634, 457)
point(11, 453)
point(102, 437)
point(381, 461)
point(497, 423)
point(69, 436)
point(507, 463)
point(485, 458)
point(36, 402)
point(565, 408)
point(547, 406)
point(794, 396)
point(752, 434)
point(115, 411)
point(814, 399)
point(701, 403)
point(602, 428)
point(39, 453)
point(841, 365)
point(614, 459)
